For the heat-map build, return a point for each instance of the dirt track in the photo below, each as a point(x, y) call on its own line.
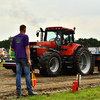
point(44, 85)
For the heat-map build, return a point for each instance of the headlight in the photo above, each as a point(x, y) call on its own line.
point(10, 58)
point(34, 50)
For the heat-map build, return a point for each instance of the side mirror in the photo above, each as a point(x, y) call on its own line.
point(37, 34)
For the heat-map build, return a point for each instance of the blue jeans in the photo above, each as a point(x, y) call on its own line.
point(22, 62)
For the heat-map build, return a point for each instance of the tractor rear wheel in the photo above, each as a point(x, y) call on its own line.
point(83, 61)
point(50, 63)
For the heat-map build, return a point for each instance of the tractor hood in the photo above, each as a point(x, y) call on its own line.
point(38, 48)
point(43, 45)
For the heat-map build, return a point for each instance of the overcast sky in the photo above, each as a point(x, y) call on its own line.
point(83, 14)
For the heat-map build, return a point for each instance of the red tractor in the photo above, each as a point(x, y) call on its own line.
point(57, 53)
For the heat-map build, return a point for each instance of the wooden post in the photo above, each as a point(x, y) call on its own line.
point(78, 80)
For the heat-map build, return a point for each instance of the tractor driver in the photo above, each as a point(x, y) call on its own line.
point(63, 41)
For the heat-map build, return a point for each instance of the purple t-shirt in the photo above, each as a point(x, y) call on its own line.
point(19, 43)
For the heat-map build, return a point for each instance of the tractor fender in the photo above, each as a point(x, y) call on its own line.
point(77, 48)
point(51, 50)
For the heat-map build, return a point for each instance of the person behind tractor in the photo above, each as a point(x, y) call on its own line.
point(20, 44)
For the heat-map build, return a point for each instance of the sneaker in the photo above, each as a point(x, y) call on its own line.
point(31, 94)
point(19, 95)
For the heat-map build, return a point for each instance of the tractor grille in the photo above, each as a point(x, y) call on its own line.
point(33, 52)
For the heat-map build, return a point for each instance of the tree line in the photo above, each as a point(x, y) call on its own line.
point(6, 43)
point(91, 42)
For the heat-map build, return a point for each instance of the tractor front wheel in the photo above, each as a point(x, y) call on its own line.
point(50, 63)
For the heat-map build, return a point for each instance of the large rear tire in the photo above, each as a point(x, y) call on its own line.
point(83, 61)
point(14, 70)
point(50, 63)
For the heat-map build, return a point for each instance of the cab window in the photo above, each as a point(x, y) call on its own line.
point(51, 36)
point(67, 39)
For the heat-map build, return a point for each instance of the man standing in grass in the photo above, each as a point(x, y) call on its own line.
point(20, 45)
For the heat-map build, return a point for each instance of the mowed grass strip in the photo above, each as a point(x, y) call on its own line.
point(2, 67)
point(85, 94)
point(2, 63)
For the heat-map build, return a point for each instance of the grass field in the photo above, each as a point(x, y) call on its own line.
point(85, 94)
point(2, 67)
point(2, 63)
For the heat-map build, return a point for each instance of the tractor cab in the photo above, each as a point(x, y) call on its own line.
point(61, 35)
